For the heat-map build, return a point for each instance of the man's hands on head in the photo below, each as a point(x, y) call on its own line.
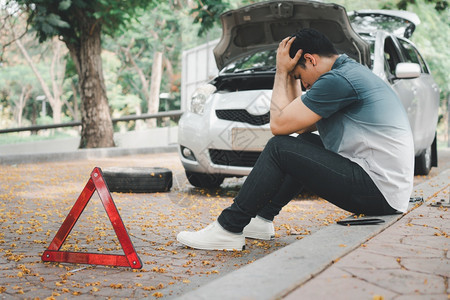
point(286, 64)
point(288, 114)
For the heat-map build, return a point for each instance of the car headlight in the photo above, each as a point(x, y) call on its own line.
point(198, 99)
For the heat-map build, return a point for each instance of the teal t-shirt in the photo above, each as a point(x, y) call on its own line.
point(364, 121)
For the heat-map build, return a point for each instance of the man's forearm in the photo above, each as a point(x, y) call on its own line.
point(280, 94)
point(294, 88)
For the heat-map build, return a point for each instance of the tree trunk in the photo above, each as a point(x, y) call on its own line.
point(32, 65)
point(75, 101)
point(139, 71)
point(57, 74)
point(170, 74)
point(155, 86)
point(97, 130)
point(24, 96)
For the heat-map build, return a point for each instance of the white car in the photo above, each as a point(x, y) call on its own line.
point(227, 124)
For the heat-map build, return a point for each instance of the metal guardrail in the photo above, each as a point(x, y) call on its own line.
point(174, 113)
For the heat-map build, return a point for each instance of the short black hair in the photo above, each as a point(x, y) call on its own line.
point(313, 42)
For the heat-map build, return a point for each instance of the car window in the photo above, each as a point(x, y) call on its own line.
point(391, 56)
point(409, 52)
point(412, 55)
point(423, 65)
point(259, 61)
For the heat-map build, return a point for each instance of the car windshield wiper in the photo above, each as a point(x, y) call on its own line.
point(255, 69)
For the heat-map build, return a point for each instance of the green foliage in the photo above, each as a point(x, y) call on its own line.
point(164, 28)
point(13, 79)
point(207, 13)
point(432, 42)
point(120, 103)
point(64, 4)
point(68, 17)
point(5, 115)
point(439, 5)
point(189, 32)
point(154, 30)
point(44, 120)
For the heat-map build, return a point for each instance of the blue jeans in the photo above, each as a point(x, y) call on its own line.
point(286, 166)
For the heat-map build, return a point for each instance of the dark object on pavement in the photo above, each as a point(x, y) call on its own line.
point(415, 199)
point(441, 203)
point(370, 221)
point(138, 179)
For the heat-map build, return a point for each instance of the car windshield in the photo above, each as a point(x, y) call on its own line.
point(370, 23)
point(259, 61)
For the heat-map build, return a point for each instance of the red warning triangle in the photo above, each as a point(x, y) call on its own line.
point(130, 259)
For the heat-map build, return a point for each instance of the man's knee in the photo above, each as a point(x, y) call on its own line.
point(278, 139)
point(274, 142)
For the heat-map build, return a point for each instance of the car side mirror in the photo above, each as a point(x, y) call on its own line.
point(407, 70)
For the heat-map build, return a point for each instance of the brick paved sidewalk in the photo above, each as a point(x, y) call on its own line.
point(404, 258)
point(409, 260)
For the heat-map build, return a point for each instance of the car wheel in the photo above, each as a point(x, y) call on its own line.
point(202, 180)
point(138, 179)
point(423, 161)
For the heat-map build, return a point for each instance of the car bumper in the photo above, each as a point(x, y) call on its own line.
point(218, 146)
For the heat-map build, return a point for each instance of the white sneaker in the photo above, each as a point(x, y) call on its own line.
point(260, 229)
point(212, 237)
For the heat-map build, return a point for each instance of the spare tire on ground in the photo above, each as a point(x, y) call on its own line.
point(138, 179)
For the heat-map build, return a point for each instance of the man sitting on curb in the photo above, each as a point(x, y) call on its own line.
point(363, 160)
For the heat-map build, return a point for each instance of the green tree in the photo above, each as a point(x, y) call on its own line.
point(148, 48)
point(150, 53)
point(80, 24)
point(18, 87)
point(207, 12)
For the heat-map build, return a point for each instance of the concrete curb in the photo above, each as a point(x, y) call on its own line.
point(12, 159)
point(277, 274)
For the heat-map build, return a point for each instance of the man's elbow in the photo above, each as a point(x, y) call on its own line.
point(276, 129)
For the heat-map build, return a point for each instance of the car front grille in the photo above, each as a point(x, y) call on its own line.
point(234, 158)
point(241, 115)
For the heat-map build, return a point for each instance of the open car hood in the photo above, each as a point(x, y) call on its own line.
point(263, 25)
point(398, 22)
